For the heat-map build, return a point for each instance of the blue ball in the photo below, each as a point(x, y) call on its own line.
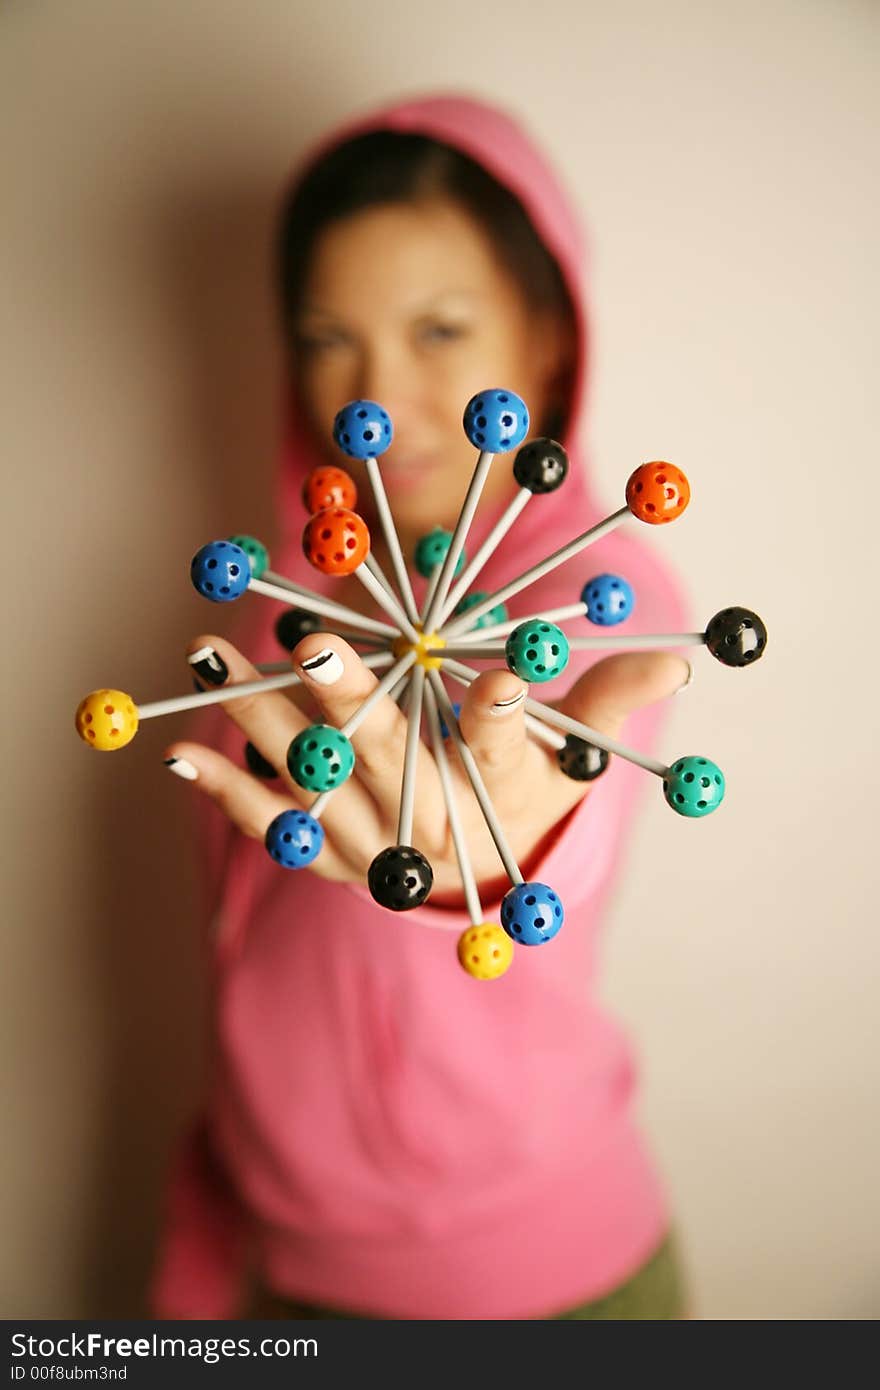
point(444, 728)
point(496, 421)
point(294, 839)
point(363, 430)
point(531, 913)
point(608, 599)
point(220, 571)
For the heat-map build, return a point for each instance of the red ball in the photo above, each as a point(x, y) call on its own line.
point(336, 541)
point(657, 493)
point(328, 486)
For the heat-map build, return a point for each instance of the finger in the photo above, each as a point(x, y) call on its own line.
point(269, 720)
point(249, 804)
point(611, 690)
point(492, 721)
point(340, 682)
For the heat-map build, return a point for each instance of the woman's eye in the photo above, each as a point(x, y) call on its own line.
point(442, 332)
point(319, 342)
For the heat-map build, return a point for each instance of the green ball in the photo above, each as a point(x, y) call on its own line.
point(694, 787)
point(320, 758)
point(537, 651)
point(498, 614)
point(431, 551)
point(256, 553)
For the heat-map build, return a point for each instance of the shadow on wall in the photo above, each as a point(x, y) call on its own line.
point(208, 253)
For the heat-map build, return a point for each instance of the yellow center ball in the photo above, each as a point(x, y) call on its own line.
point(107, 719)
point(485, 951)
point(401, 645)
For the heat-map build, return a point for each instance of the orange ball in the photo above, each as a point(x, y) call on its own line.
point(329, 486)
point(336, 541)
point(657, 493)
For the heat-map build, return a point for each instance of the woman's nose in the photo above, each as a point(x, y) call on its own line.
point(393, 382)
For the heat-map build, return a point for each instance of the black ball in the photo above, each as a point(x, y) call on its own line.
point(736, 637)
point(296, 624)
point(258, 765)
point(400, 878)
point(541, 465)
point(582, 761)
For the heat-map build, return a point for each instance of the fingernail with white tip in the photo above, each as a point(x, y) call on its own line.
point(209, 665)
point(181, 768)
point(325, 667)
point(506, 706)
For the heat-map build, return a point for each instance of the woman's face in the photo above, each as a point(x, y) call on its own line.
point(406, 305)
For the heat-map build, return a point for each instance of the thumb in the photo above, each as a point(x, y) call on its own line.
point(614, 688)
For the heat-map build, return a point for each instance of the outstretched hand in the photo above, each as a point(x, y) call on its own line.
point(529, 791)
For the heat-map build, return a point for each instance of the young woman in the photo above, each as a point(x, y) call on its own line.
point(385, 1136)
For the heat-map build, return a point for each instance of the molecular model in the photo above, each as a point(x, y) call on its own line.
point(455, 624)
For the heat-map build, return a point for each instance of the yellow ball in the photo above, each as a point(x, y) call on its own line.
point(485, 951)
point(107, 719)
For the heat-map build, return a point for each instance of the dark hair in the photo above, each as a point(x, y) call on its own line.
point(393, 167)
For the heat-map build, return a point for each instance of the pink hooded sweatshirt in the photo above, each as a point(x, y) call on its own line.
point(381, 1132)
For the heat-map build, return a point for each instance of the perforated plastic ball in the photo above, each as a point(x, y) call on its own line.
point(485, 951)
point(498, 614)
point(220, 571)
point(694, 786)
point(295, 624)
point(496, 421)
point(256, 552)
point(582, 761)
point(400, 878)
point(328, 486)
point(657, 493)
point(107, 719)
point(432, 549)
point(257, 764)
point(336, 541)
point(608, 599)
point(736, 637)
point(294, 839)
point(537, 651)
point(363, 430)
point(541, 465)
point(320, 758)
point(531, 913)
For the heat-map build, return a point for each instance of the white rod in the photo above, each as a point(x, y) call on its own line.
point(542, 734)
point(647, 641)
point(473, 772)
point(465, 868)
point(468, 619)
point(553, 615)
point(314, 603)
point(392, 540)
point(179, 703)
point(410, 763)
point(388, 680)
point(378, 574)
point(390, 604)
point(490, 544)
point(539, 731)
point(431, 590)
point(459, 535)
point(571, 726)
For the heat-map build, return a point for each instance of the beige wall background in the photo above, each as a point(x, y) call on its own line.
point(722, 158)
